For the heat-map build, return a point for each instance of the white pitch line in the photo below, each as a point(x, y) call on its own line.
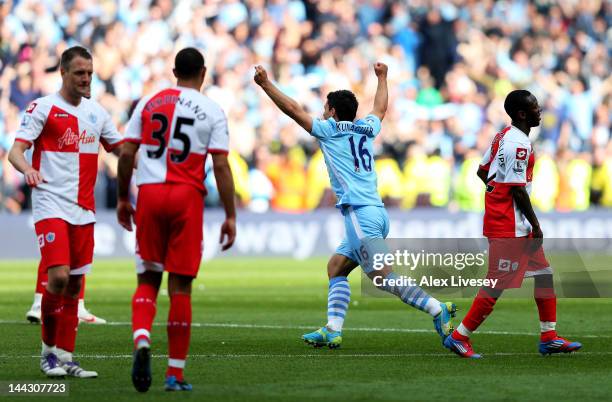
point(306, 327)
point(324, 354)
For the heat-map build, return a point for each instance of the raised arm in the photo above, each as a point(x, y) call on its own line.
point(381, 99)
point(287, 105)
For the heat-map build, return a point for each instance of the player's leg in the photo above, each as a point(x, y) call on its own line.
point(144, 304)
point(415, 296)
point(144, 307)
point(481, 308)
point(367, 228)
point(151, 243)
point(51, 310)
point(339, 267)
point(54, 246)
point(81, 258)
point(67, 330)
point(546, 300)
point(184, 253)
point(85, 315)
point(507, 265)
point(179, 331)
point(33, 315)
point(68, 322)
point(339, 295)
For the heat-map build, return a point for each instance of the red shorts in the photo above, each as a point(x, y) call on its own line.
point(62, 243)
point(169, 228)
point(512, 259)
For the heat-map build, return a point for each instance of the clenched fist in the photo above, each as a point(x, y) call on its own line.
point(261, 76)
point(380, 69)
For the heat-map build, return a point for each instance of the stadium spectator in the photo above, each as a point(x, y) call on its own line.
point(260, 186)
point(319, 194)
point(389, 179)
point(450, 66)
point(288, 176)
point(546, 181)
point(414, 181)
point(469, 195)
point(601, 185)
point(439, 42)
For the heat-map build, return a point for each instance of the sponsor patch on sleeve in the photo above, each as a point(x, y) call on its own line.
point(519, 166)
point(521, 154)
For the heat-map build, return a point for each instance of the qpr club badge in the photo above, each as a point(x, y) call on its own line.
point(50, 237)
point(92, 118)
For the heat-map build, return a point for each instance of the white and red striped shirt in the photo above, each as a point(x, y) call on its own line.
point(177, 128)
point(66, 141)
point(509, 162)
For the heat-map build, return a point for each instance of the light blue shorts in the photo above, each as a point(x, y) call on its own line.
point(365, 228)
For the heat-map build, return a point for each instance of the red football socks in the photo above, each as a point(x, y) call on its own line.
point(41, 281)
point(482, 306)
point(179, 331)
point(546, 300)
point(82, 292)
point(143, 312)
point(51, 307)
point(67, 324)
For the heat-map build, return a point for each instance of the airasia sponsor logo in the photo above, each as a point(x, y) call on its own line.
point(71, 138)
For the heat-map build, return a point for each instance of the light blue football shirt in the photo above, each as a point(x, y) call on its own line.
point(349, 157)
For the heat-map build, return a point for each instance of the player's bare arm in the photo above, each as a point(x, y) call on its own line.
point(32, 176)
point(225, 185)
point(125, 211)
point(287, 105)
point(381, 99)
point(482, 174)
point(521, 198)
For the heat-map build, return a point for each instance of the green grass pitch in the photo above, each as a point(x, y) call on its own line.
point(249, 315)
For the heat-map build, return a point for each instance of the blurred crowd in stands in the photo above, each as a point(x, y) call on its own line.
point(451, 63)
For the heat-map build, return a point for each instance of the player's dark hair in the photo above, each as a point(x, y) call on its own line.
point(188, 63)
point(515, 101)
point(345, 103)
point(69, 54)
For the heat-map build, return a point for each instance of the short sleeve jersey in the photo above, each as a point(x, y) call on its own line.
point(176, 129)
point(66, 141)
point(349, 157)
point(509, 162)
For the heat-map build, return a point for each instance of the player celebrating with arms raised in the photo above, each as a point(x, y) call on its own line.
point(346, 144)
point(66, 130)
point(176, 129)
point(509, 221)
